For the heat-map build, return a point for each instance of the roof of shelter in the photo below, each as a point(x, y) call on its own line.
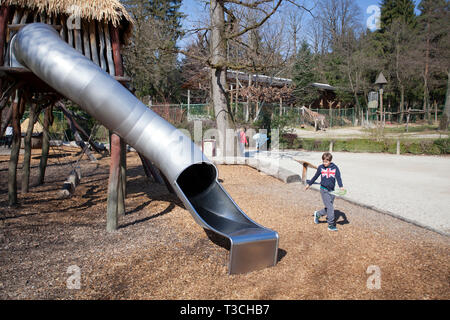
point(109, 10)
point(324, 86)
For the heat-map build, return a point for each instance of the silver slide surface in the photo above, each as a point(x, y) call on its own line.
point(39, 47)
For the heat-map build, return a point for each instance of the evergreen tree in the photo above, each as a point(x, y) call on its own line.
point(304, 75)
point(151, 58)
point(392, 10)
point(433, 47)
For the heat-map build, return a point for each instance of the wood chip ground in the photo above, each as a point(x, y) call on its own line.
point(159, 252)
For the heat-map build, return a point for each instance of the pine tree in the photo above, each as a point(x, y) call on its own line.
point(304, 75)
point(151, 58)
point(392, 10)
point(433, 43)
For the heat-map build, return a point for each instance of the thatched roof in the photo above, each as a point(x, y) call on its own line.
point(36, 129)
point(108, 10)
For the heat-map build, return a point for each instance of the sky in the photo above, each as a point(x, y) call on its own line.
point(196, 11)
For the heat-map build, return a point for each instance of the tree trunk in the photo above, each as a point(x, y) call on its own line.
point(15, 149)
point(426, 93)
point(48, 119)
point(27, 149)
point(402, 102)
point(447, 101)
point(218, 74)
point(247, 105)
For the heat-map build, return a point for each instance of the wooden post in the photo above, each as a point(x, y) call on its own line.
point(231, 97)
point(188, 103)
point(247, 106)
point(407, 119)
point(304, 171)
point(3, 23)
point(237, 95)
point(117, 173)
point(122, 190)
point(381, 108)
point(15, 149)
point(112, 218)
point(435, 111)
point(281, 106)
point(27, 148)
point(48, 119)
point(398, 146)
point(116, 59)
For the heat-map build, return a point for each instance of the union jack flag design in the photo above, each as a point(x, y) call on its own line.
point(329, 173)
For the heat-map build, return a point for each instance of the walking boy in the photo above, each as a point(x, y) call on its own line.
point(329, 173)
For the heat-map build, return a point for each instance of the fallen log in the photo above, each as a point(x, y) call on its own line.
point(70, 184)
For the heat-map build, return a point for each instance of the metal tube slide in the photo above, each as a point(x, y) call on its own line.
point(39, 47)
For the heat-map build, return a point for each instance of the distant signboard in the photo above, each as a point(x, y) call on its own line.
point(373, 100)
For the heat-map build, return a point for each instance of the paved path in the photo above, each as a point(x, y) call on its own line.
point(413, 188)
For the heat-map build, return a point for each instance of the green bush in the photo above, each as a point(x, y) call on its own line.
point(436, 147)
point(443, 145)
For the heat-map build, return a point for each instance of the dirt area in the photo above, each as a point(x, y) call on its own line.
point(159, 252)
point(360, 132)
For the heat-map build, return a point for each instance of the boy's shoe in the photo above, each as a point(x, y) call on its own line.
point(316, 217)
point(332, 228)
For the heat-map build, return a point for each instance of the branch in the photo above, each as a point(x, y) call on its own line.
point(6, 95)
point(303, 7)
point(251, 4)
point(256, 25)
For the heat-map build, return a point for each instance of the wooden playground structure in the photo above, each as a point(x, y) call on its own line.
point(97, 29)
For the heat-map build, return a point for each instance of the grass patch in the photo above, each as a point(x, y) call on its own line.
point(402, 129)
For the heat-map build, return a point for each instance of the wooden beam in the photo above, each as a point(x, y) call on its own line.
point(150, 170)
point(70, 184)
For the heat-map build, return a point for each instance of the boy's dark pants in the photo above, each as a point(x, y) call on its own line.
point(328, 200)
